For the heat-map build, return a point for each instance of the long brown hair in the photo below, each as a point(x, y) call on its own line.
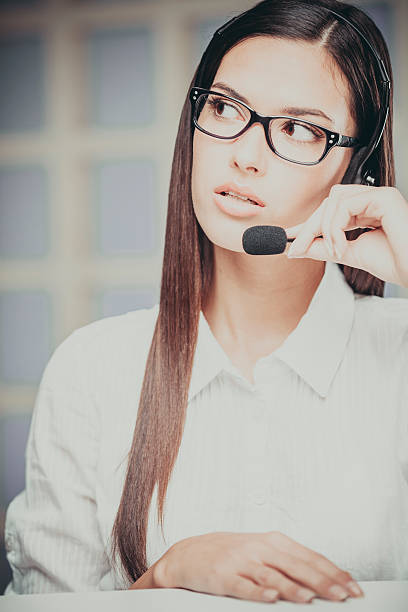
point(188, 253)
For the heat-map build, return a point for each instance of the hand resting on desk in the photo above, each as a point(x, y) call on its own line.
point(254, 566)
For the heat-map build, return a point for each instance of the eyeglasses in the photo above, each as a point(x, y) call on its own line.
point(298, 141)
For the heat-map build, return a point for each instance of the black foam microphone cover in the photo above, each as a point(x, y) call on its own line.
point(264, 240)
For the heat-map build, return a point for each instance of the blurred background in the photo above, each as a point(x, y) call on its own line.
point(90, 97)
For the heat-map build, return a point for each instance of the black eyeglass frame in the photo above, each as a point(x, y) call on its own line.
point(333, 139)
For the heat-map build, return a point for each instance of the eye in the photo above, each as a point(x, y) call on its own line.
point(223, 109)
point(302, 131)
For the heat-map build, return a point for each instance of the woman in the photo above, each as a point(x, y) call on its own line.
point(274, 392)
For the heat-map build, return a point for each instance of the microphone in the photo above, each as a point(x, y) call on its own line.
point(265, 240)
point(271, 239)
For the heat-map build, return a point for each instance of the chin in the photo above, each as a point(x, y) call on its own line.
point(228, 243)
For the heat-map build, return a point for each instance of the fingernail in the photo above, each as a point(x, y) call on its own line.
point(354, 588)
point(270, 594)
point(338, 592)
point(305, 594)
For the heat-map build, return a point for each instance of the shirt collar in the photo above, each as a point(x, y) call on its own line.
point(314, 349)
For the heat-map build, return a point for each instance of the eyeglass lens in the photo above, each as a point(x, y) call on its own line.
point(293, 139)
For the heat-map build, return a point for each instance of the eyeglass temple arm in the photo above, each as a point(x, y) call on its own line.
point(347, 141)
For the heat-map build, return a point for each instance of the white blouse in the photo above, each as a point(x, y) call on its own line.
point(317, 448)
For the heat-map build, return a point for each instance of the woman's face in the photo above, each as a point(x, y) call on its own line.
point(271, 74)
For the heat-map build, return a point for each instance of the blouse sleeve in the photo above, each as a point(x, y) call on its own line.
point(52, 539)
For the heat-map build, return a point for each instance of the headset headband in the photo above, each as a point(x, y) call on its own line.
point(386, 83)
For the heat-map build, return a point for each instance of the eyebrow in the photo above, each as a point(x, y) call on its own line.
point(295, 111)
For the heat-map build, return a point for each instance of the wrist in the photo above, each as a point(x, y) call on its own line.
point(161, 572)
point(146, 581)
point(158, 576)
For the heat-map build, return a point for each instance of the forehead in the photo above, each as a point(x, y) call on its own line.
point(274, 72)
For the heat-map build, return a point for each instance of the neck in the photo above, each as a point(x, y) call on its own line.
point(259, 300)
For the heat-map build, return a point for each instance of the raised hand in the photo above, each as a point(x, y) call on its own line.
point(382, 251)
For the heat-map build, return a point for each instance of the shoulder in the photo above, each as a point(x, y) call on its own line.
point(97, 348)
point(135, 324)
point(392, 310)
point(384, 319)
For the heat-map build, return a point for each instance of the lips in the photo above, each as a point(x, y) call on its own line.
point(244, 192)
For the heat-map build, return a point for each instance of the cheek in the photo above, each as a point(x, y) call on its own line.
point(206, 158)
point(200, 173)
point(329, 172)
point(302, 191)
point(340, 162)
point(208, 165)
point(209, 169)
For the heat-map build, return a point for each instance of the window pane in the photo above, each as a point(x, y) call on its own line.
point(125, 201)
point(119, 301)
point(22, 78)
point(24, 211)
point(120, 65)
point(25, 332)
point(14, 435)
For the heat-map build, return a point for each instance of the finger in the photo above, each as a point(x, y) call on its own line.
point(307, 575)
point(369, 247)
point(340, 241)
point(311, 228)
point(293, 231)
point(319, 250)
point(337, 192)
point(326, 222)
point(387, 206)
point(312, 558)
point(244, 588)
point(269, 577)
point(356, 211)
point(307, 245)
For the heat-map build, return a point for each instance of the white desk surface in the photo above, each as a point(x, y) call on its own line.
point(380, 596)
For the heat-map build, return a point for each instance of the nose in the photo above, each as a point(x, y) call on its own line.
point(249, 151)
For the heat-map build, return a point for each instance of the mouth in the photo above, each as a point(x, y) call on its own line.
point(238, 197)
point(236, 207)
point(244, 195)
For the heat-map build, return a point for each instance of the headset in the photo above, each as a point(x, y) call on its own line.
point(361, 175)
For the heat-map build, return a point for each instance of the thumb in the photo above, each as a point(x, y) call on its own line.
point(293, 231)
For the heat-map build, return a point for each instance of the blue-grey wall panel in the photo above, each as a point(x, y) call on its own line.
point(120, 77)
point(204, 31)
point(22, 78)
point(26, 335)
point(125, 207)
point(13, 434)
point(382, 13)
point(24, 222)
point(119, 301)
